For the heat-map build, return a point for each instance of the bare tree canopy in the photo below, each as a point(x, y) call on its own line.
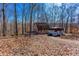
point(63, 15)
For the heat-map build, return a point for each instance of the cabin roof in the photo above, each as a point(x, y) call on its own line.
point(56, 28)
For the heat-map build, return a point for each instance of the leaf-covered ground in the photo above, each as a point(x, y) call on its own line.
point(38, 45)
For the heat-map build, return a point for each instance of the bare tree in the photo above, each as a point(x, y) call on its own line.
point(66, 26)
point(67, 20)
point(46, 17)
point(45, 14)
point(62, 24)
point(78, 21)
point(53, 16)
point(4, 21)
point(31, 11)
point(72, 10)
point(25, 24)
point(15, 21)
point(23, 15)
point(0, 19)
point(25, 18)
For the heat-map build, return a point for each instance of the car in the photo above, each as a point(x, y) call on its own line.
point(56, 31)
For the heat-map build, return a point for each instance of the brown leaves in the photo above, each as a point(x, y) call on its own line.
point(37, 46)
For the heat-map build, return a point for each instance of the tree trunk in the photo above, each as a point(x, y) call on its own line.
point(4, 22)
point(71, 23)
point(15, 25)
point(46, 17)
point(30, 22)
point(23, 14)
point(25, 24)
point(31, 10)
point(66, 27)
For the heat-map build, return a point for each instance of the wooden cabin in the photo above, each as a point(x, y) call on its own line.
point(41, 27)
point(45, 28)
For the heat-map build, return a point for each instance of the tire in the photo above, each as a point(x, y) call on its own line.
point(49, 34)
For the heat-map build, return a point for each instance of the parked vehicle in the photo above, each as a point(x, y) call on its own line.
point(55, 31)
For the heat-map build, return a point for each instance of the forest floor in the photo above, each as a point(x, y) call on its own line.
point(38, 45)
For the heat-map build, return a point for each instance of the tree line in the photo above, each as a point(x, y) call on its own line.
point(64, 14)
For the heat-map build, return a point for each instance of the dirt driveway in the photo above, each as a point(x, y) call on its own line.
point(38, 45)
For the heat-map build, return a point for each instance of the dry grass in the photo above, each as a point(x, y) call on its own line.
point(71, 37)
point(38, 45)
